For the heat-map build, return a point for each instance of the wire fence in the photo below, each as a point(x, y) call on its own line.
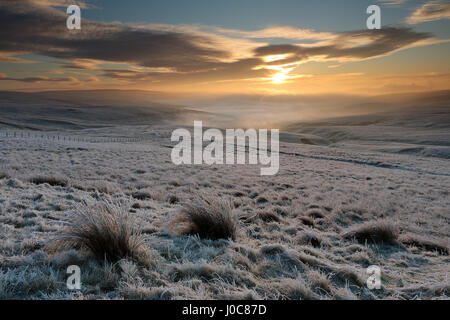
point(33, 135)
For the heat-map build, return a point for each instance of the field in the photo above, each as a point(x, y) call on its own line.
point(335, 208)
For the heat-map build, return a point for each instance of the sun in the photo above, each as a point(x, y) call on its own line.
point(281, 71)
point(280, 77)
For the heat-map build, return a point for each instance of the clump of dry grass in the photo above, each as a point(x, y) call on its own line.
point(307, 221)
point(5, 174)
point(172, 199)
point(51, 180)
point(105, 229)
point(103, 187)
point(308, 237)
point(425, 244)
point(320, 282)
point(427, 291)
point(141, 195)
point(268, 216)
point(209, 219)
point(380, 231)
point(261, 200)
point(348, 274)
point(315, 213)
point(295, 289)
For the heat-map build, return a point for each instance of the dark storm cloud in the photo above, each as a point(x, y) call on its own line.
point(25, 27)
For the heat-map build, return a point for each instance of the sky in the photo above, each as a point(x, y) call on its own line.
point(226, 47)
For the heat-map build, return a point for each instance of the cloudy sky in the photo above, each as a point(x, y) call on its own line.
point(211, 46)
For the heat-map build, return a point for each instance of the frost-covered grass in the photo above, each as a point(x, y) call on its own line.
point(208, 218)
point(309, 232)
point(104, 229)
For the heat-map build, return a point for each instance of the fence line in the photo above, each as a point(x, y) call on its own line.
point(20, 134)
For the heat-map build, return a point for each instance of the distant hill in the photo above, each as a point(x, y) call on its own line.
point(56, 110)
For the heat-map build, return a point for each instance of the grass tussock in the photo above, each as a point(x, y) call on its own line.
point(104, 229)
point(425, 244)
point(295, 289)
point(268, 216)
point(51, 180)
point(141, 195)
point(427, 291)
point(315, 213)
point(320, 282)
point(209, 219)
point(379, 232)
point(306, 238)
point(5, 174)
point(307, 221)
point(172, 199)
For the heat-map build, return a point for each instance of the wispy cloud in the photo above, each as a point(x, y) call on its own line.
point(392, 3)
point(11, 57)
point(348, 46)
point(38, 79)
point(59, 3)
point(433, 10)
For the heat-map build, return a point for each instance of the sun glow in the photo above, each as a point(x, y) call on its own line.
point(275, 57)
point(281, 72)
point(282, 75)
